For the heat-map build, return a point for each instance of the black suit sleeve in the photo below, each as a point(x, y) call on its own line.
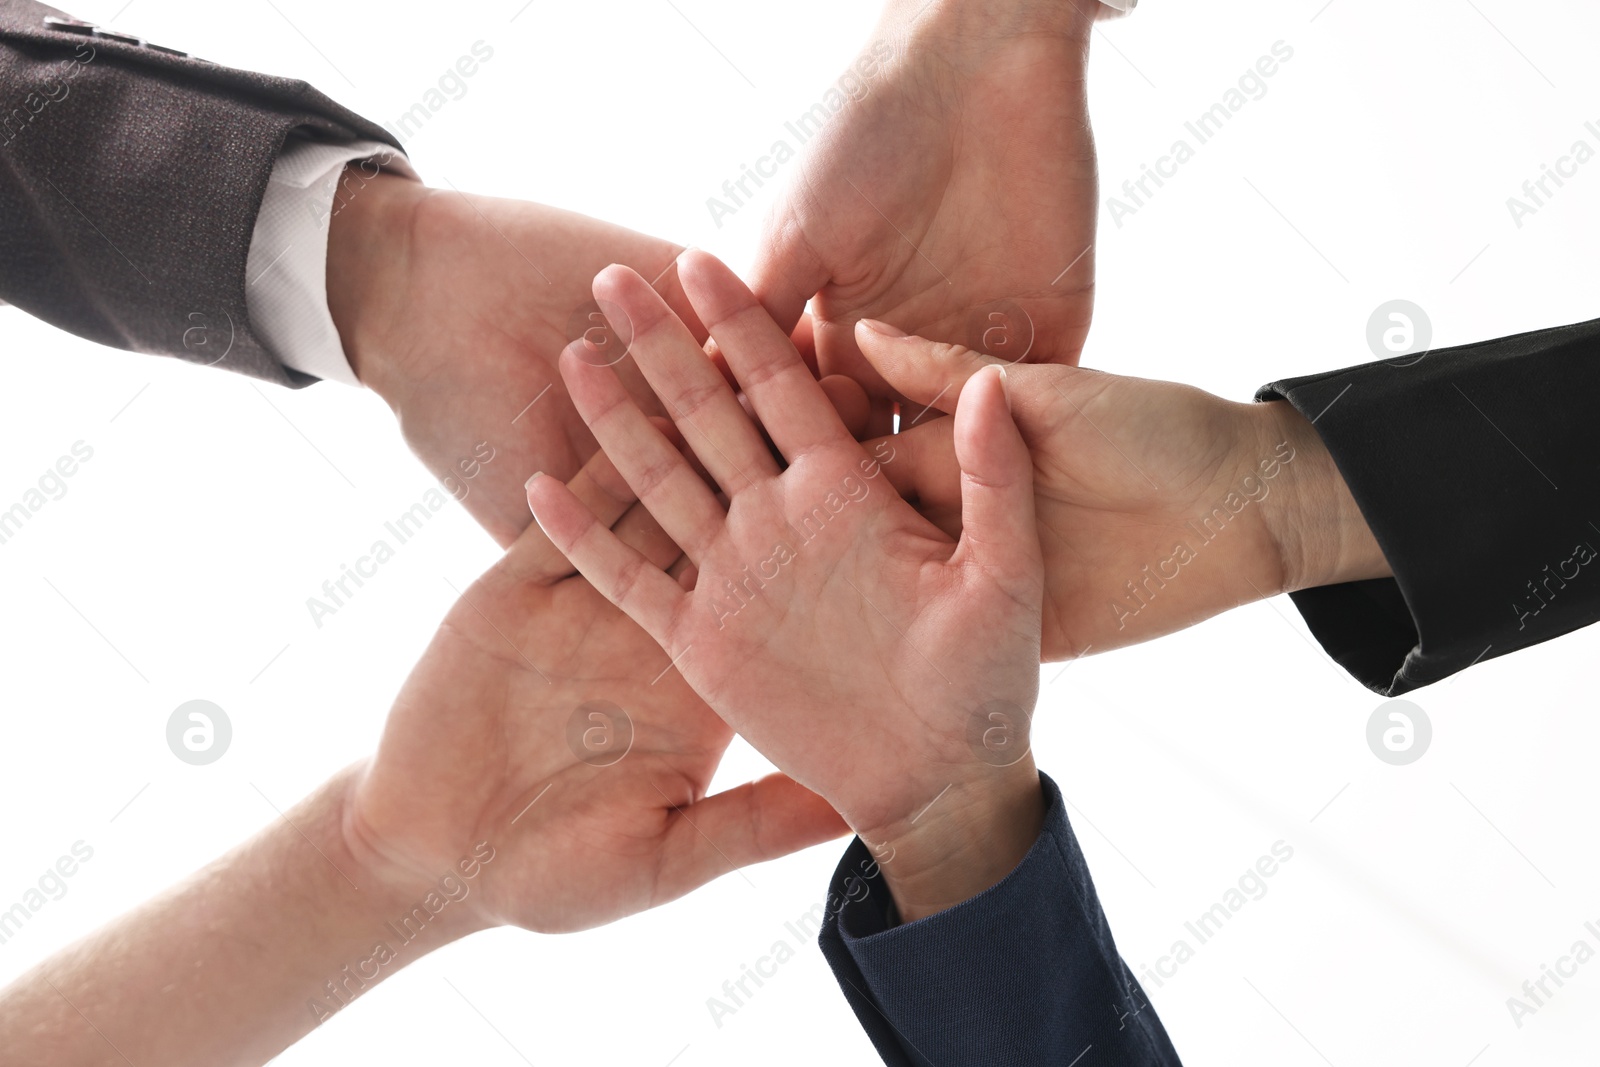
point(130, 182)
point(1478, 471)
point(1024, 974)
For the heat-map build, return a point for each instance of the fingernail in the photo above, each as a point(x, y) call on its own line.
point(883, 329)
point(529, 483)
point(1005, 386)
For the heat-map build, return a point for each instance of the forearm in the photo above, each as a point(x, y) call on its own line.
point(90, 200)
point(232, 965)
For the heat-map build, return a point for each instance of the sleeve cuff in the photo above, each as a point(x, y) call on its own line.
point(1022, 974)
point(286, 287)
point(1474, 468)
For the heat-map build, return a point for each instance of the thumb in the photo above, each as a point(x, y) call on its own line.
point(930, 374)
point(752, 823)
point(998, 531)
point(787, 272)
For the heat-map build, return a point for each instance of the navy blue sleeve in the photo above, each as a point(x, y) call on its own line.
point(1025, 974)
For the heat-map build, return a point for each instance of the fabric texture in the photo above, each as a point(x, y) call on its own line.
point(1478, 470)
point(131, 179)
point(1026, 974)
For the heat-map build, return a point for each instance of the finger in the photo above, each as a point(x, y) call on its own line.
point(658, 473)
point(623, 576)
point(928, 373)
point(786, 397)
point(671, 290)
point(921, 463)
point(850, 401)
point(787, 272)
point(638, 528)
point(755, 822)
point(599, 488)
point(998, 531)
point(804, 336)
point(805, 342)
point(691, 389)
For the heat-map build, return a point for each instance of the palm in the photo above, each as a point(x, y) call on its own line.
point(820, 596)
point(480, 731)
point(848, 635)
point(956, 200)
point(483, 298)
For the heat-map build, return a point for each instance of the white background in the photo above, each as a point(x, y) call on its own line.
point(1381, 159)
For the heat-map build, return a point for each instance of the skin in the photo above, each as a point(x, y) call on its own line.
point(854, 666)
point(996, 217)
point(1125, 470)
point(454, 308)
point(474, 778)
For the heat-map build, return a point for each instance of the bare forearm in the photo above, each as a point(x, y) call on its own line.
point(229, 966)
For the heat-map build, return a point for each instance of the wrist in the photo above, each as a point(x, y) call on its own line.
point(395, 885)
point(369, 251)
point(968, 840)
point(1319, 530)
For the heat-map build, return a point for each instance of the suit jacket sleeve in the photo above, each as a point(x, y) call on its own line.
point(1478, 471)
point(130, 181)
point(1026, 973)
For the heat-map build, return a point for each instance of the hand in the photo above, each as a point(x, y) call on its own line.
point(1158, 505)
point(453, 308)
point(846, 637)
point(486, 744)
point(956, 198)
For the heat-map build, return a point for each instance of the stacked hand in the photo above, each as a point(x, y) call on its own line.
point(828, 622)
point(1158, 505)
point(957, 197)
point(543, 721)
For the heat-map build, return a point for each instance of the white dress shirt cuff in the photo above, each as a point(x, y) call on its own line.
point(286, 283)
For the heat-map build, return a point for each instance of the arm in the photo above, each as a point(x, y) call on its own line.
point(451, 307)
point(1478, 470)
point(1424, 516)
point(1033, 956)
point(989, 97)
point(123, 236)
point(529, 773)
point(835, 628)
point(163, 983)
